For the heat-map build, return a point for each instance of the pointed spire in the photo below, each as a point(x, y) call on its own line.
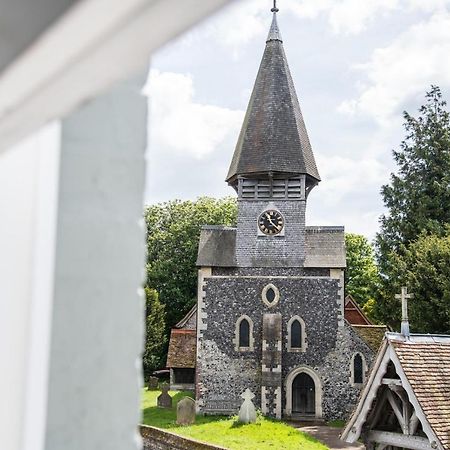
point(273, 138)
point(274, 32)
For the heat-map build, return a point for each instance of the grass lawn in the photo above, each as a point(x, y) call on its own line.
point(263, 435)
point(336, 423)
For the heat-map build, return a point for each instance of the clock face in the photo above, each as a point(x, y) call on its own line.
point(271, 222)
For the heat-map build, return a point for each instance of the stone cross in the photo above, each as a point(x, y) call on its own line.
point(248, 395)
point(164, 400)
point(247, 411)
point(404, 296)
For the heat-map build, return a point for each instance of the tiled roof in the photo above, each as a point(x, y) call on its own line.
point(325, 247)
point(353, 313)
point(217, 247)
point(273, 137)
point(182, 348)
point(372, 334)
point(189, 321)
point(427, 367)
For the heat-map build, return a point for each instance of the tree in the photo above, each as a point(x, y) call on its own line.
point(425, 269)
point(417, 197)
point(361, 275)
point(155, 337)
point(173, 231)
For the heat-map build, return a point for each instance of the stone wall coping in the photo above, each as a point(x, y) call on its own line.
point(325, 228)
point(218, 227)
point(174, 440)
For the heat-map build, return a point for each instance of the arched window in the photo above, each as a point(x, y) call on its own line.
point(244, 333)
point(358, 370)
point(296, 334)
point(358, 376)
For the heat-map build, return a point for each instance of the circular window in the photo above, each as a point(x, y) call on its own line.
point(270, 295)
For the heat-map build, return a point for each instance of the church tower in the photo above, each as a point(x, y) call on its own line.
point(273, 167)
point(270, 312)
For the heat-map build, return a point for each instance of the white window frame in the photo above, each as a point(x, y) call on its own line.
point(264, 295)
point(304, 344)
point(236, 339)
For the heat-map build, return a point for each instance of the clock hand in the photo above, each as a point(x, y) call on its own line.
point(273, 223)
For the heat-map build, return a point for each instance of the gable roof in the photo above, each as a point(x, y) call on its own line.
point(182, 349)
point(422, 363)
point(217, 246)
point(426, 365)
point(353, 313)
point(325, 247)
point(273, 136)
point(371, 334)
point(189, 321)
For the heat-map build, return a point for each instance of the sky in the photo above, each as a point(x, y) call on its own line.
point(356, 65)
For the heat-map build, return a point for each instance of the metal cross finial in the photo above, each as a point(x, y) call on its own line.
point(275, 9)
point(404, 296)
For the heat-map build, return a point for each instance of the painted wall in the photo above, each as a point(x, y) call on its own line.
point(96, 343)
point(28, 192)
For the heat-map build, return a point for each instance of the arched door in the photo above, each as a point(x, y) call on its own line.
point(303, 395)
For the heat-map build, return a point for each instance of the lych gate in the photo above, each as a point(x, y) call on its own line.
point(405, 401)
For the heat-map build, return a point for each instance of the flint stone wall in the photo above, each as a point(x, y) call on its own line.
point(224, 373)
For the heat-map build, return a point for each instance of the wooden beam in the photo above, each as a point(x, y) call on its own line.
point(431, 435)
point(396, 409)
point(400, 440)
point(379, 408)
point(391, 381)
point(352, 431)
point(413, 423)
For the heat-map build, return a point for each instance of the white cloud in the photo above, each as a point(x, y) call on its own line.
point(417, 58)
point(353, 16)
point(348, 193)
point(344, 16)
point(243, 21)
point(343, 176)
point(178, 124)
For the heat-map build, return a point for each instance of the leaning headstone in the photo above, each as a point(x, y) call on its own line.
point(164, 399)
point(247, 411)
point(152, 383)
point(186, 411)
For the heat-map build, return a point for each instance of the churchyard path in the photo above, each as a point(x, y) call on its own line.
point(328, 435)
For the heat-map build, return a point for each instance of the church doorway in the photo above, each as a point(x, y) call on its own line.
point(303, 395)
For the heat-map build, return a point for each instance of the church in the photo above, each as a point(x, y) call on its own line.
point(270, 310)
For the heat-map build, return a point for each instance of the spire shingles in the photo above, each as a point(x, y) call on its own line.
point(273, 137)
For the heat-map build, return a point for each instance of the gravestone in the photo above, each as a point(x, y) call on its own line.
point(247, 411)
point(186, 411)
point(152, 383)
point(164, 399)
